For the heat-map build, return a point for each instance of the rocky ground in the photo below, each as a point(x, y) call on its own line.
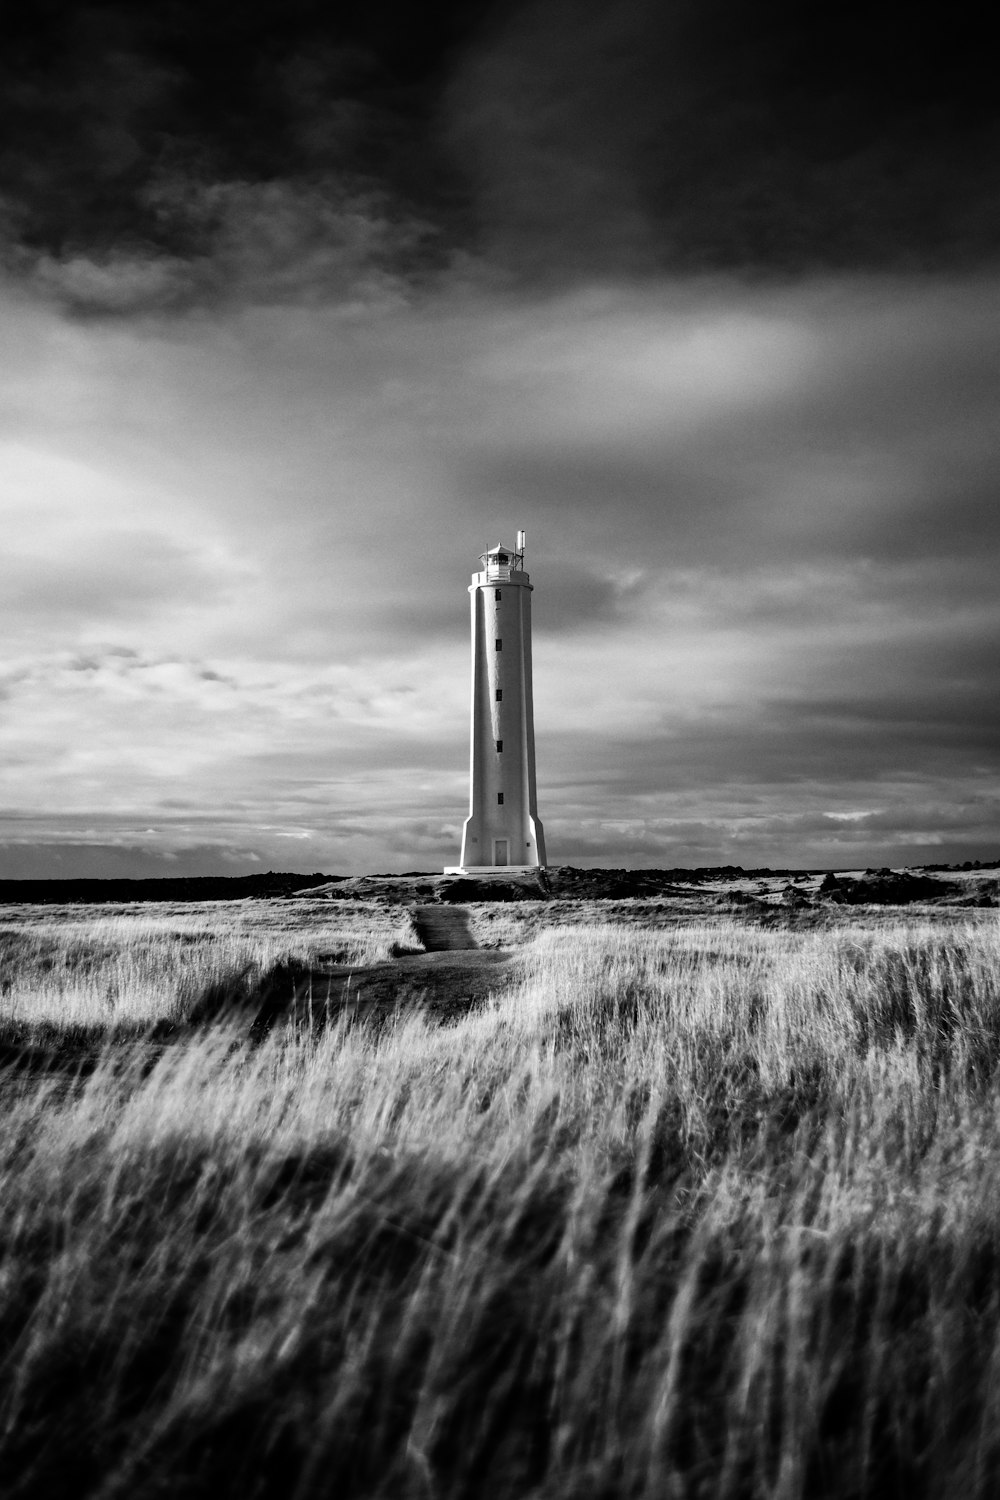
point(690, 890)
point(710, 887)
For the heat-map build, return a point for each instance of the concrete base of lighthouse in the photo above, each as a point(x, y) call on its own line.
point(493, 869)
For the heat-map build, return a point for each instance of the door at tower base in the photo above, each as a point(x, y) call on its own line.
point(503, 829)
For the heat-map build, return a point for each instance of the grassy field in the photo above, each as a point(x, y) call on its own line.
point(109, 968)
point(688, 1211)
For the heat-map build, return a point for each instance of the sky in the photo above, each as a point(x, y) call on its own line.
point(302, 306)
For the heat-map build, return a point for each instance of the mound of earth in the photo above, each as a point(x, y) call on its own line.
point(493, 888)
point(564, 881)
point(381, 890)
point(979, 893)
point(793, 896)
point(884, 888)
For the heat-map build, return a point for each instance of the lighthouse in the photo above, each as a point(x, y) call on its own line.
point(503, 828)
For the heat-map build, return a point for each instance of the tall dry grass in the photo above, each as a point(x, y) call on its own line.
point(107, 969)
point(712, 1212)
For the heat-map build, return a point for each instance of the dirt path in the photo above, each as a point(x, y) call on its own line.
point(443, 929)
point(443, 985)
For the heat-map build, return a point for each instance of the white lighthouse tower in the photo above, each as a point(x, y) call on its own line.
point(503, 828)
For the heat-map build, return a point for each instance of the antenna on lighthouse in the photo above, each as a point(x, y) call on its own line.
point(520, 547)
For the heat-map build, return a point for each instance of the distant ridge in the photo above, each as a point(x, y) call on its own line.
point(170, 888)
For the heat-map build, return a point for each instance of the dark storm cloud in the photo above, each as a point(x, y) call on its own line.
point(715, 133)
point(180, 142)
point(167, 152)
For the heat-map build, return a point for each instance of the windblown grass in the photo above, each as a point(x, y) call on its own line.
point(712, 1212)
point(108, 970)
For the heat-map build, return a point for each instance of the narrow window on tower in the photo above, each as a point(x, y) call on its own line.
point(499, 745)
point(499, 695)
point(496, 595)
point(499, 644)
point(500, 799)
